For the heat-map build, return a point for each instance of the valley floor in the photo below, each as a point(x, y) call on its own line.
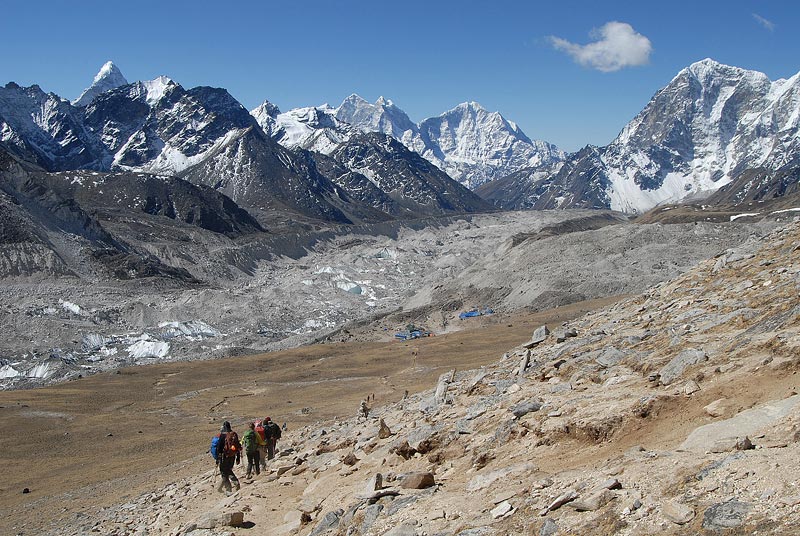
point(99, 441)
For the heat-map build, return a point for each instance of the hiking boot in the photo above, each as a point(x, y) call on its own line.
point(237, 485)
point(221, 485)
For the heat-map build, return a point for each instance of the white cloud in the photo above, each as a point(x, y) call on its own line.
point(617, 45)
point(767, 24)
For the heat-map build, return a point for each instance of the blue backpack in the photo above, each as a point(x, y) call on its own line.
point(214, 445)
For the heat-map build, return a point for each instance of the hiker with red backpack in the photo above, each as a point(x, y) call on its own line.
point(252, 442)
point(228, 451)
point(262, 447)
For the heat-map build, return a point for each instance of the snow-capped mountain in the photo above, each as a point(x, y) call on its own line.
point(469, 143)
point(203, 135)
point(476, 146)
point(313, 128)
point(109, 77)
point(383, 116)
point(47, 130)
point(710, 124)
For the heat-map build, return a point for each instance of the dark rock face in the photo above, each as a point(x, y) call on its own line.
point(43, 208)
point(411, 181)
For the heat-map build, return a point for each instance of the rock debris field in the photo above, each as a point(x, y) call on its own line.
point(359, 284)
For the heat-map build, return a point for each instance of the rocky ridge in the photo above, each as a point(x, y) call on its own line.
point(672, 412)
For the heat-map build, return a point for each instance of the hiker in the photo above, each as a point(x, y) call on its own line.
point(262, 444)
point(228, 452)
point(364, 409)
point(273, 434)
point(251, 443)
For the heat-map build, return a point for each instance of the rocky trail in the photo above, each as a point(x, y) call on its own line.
point(670, 412)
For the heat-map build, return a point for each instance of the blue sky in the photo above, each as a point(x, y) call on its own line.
point(526, 59)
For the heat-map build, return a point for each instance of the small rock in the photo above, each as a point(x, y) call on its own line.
point(561, 500)
point(504, 496)
point(593, 502)
point(299, 469)
point(26, 490)
point(717, 408)
point(677, 513)
point(350, 459)
point(384, 431)
point(548, 528)
point(284, 469)
point(374, 483)
point(690, 387)
point(611, 483)
point(744, 444)
point(501, 510)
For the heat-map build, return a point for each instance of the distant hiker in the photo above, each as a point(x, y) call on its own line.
point(273, 433)
point(229, 451)
point(284, 426)
point(251, 441)
point(262, 445)
point(364, 409)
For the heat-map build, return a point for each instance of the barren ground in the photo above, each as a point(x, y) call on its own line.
point(97, 441)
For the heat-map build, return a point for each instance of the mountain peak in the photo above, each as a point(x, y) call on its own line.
point(157, 87)
point(472, 105)
point(109, 71)
point(107, 78)
point(383, 101)
point(354, 98)
point(267, 108)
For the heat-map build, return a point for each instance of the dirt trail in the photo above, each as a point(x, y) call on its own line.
point(99, 440)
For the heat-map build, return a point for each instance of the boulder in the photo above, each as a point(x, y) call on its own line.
point(610, 357)
point(406, 529)
point(329, 521)
point(718, 408)
point(677, 513)
point(350, 459)
point(417, 480)
point(539, 336)
point(673, 370)
point(548, 528)
point(726, 515)
point(374, 483)
point(745, 423)
point(402, 449)
point(525, 407)
point(441, 388)
point(213, 520)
